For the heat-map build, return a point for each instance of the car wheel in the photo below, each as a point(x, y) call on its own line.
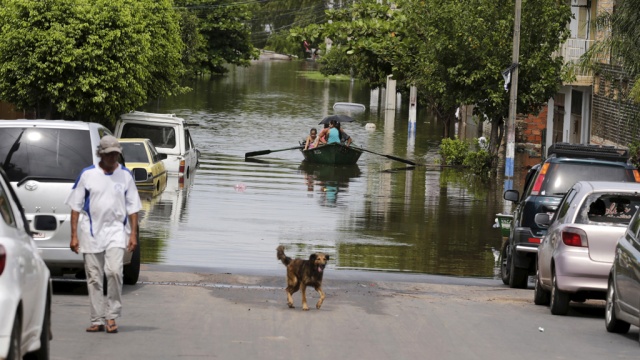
point(559, 299)
point(45, 334)
point(131, 272)
point(504, 264)
point(611, 321)
point(540, 295)
point(15, 341)
point(517, 277)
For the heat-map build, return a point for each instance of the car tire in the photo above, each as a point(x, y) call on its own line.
point(518, 278)
point(45, 334)
point(611, 321)
point(504, 264)
point(540, 295)
point(15, 343)
point(559, 299)
point(131, 272)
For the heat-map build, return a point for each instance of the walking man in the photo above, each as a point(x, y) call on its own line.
point(104, 222)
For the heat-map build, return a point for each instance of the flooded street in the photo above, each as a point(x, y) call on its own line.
point(377, 215)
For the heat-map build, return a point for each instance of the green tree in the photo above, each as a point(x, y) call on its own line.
point(225, 29)
point(89, 60)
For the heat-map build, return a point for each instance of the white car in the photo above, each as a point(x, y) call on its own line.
point(25, 284)
point(169, 135)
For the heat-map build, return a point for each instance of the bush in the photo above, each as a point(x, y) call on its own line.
point(453, 151)
point(634, 152)
point(456, 152)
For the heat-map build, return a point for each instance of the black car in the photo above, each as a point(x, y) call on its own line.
point(545, 185)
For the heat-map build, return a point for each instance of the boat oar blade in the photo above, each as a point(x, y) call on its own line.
point(265, 152)
point(409, 162)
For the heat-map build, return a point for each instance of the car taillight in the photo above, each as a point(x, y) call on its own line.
point(575, 237)
point(3, 258)
point(538, 184)
point(534, 240)
point(636, 175)
point(181, 169)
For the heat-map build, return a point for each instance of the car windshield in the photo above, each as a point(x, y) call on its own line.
point(160, 136)
point(134, 152)
point(44, 153)
point(561, 176)
point(608, 209)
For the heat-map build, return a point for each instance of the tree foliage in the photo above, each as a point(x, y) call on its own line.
point(220, 31)
point(88, 59)
point(453, 51)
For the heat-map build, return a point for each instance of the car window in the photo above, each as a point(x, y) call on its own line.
point(161, 136)
point(134, 152)
point(528, 183)
point(608, 209)
point(634, 227)
point(154, 152)
point(104, 131)
point(561, 176)
point(44, 153)
point(5, 208)
point(187, 140)
point(565, 204)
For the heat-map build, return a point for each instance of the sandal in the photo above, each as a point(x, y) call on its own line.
point(95, 328)
point(112, 328)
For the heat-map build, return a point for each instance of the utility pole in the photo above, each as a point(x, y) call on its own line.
point(513, 100)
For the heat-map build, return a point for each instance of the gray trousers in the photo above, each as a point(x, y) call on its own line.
point(97, 265)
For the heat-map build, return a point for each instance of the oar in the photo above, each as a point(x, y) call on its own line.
point(265, 152)
point(389, 156)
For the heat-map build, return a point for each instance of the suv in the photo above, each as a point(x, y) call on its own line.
point(545, 185)
point(42, 159)
point(168, 133)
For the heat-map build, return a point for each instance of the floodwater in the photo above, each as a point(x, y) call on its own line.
point(379, 215)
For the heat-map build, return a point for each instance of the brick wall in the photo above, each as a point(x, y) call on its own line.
point(529, 130)
point(614, 119)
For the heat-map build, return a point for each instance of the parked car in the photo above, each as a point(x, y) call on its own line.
point(545, 185)
point(168, 133)
point(575, 256)
point(42, 159)
point(141, 154)
point(623, 288)
point(25, 284)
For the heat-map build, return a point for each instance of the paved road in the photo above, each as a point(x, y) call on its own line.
point(217, 314)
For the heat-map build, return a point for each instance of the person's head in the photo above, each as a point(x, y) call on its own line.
point(332, 123)
point(337, 126)
point(313, 132)
point(109, 149)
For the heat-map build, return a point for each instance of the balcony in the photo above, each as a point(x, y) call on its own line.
point(571, 51)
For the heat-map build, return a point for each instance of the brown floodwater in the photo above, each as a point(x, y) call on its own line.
point(378, 215)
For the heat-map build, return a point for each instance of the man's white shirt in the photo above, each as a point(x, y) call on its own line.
point(104, 202)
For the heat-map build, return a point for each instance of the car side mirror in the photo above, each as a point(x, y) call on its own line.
point(542, 219)
point(140, 174)
point(162, 156)
point(511, 195)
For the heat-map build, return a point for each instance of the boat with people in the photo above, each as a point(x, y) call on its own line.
point(334, 154)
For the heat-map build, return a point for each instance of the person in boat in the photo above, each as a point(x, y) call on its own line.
point(345, 139)
point(311, 139)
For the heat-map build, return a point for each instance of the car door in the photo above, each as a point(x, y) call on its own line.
point(27, 273)
point(629, 268)
point(554, 234)
point(191, 154)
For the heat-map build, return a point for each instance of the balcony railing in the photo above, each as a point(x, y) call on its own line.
point(571, 52)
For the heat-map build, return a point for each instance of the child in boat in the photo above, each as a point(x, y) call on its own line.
point(311, 139)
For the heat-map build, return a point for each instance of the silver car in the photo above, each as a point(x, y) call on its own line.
point(623, 292)
point(575, 256)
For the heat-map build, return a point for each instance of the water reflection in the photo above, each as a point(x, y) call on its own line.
point(376, 215)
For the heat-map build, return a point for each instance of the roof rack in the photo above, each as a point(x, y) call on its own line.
point(598, 152)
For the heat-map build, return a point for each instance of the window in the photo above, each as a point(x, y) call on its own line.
point(134, 152)
point(565, 204)
point(45, 153)
point(561, 176)
point(5, 208)
point(608, 209)
point(161, 136)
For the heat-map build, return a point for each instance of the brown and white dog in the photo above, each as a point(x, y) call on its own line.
point(303, 273)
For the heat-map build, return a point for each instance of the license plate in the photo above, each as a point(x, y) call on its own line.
point(38, 235)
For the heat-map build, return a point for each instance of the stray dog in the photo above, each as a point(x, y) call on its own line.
point(303, 273)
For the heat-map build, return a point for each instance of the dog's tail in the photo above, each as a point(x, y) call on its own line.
point(282, 257)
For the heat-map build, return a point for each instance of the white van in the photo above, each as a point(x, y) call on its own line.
point(168, 133)
point(42, 159)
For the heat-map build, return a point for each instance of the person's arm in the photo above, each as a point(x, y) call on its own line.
point(306, 144)
point(133, 239)
point(74, 244)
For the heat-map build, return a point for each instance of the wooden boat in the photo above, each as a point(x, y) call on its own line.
point(334, 154)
